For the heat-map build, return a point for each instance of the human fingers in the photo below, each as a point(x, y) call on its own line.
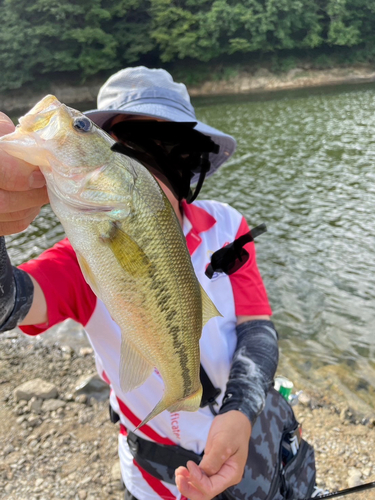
point(6, 124)
point(16, 201)
point(17, 175)
point(13, 227)
point(19, 215)
point(196, 485)
point(218, 454)
point(19, 209)
point(186, 486)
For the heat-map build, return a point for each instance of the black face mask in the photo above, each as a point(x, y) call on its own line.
point(173, 152)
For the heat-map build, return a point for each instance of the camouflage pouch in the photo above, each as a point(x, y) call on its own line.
point(279, 466)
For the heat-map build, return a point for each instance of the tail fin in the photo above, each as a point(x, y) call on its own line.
point(190, 403)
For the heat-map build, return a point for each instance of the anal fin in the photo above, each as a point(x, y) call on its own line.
point(134, 368)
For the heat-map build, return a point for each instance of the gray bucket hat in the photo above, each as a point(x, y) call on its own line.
point(152, 92)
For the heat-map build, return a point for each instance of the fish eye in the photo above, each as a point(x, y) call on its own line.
point(82, 124)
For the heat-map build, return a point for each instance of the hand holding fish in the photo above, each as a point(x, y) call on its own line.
point(22, 188)
point(224, 459)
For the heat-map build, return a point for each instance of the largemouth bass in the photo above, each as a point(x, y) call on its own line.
point(129, 245)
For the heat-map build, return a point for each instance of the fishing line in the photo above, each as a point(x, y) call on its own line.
point(348, 491)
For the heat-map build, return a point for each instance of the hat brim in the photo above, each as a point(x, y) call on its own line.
point(227, 144)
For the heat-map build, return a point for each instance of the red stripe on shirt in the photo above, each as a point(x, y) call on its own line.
point(250, 296)
point(155, 484)
point(65, 289)
point(105, 377)
point(147, 431)
point(193, 240)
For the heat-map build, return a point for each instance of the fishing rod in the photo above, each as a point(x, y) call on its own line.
point(347, 491)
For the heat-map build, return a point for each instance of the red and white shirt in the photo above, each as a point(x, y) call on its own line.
point(208, 226)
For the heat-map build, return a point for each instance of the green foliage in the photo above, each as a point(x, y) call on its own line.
point(42, 38)
point(82, 37)
point(284, 64)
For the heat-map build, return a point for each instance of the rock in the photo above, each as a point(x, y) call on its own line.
point(8, 449)
point(82, 495)
point(82, 399)
point(53, 404)
point(117, 485)
point(304, 399)
point(346, 415)
point(85, 351)
point(94, 457)
point(35, 404)
point(116, 471)
point(37, 388)
point(34, 421)
point(355, 478)
point(366, 471)
point(92, 386)
point(8, 488)
point(67, 351)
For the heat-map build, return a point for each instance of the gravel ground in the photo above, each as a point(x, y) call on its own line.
point(63, 446)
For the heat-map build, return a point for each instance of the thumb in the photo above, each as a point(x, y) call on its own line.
point(6, 124)
point(215, 457)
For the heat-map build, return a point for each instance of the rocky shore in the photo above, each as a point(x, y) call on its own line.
point(56, 440)
point(257, 80)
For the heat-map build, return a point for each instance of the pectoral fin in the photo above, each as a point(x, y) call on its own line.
point(208, 307)
point(129, 254)
point(87, 273)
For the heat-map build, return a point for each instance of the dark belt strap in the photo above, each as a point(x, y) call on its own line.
point(159, 460)
point(167, 455)
point(210, 392)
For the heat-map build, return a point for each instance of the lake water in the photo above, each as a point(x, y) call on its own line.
point(304, 166)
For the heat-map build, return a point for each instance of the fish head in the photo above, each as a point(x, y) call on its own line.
point(60, 140)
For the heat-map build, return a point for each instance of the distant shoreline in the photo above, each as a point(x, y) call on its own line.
point(261, 80)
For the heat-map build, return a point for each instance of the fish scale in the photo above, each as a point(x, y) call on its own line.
point(129, 244)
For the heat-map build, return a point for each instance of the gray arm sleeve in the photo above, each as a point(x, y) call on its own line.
point(16, 292)
point(253, 368)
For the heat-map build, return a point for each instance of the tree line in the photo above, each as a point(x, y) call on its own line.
point(40, 38)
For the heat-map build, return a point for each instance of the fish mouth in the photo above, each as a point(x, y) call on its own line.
point(42, 123)
point(40, 115)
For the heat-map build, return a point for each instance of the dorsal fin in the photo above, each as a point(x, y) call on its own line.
point(209, 309)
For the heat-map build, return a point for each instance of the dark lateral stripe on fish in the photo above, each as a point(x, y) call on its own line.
point(187, 382)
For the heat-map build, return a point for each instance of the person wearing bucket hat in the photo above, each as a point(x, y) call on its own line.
point(134, 96)
point(152, 119)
